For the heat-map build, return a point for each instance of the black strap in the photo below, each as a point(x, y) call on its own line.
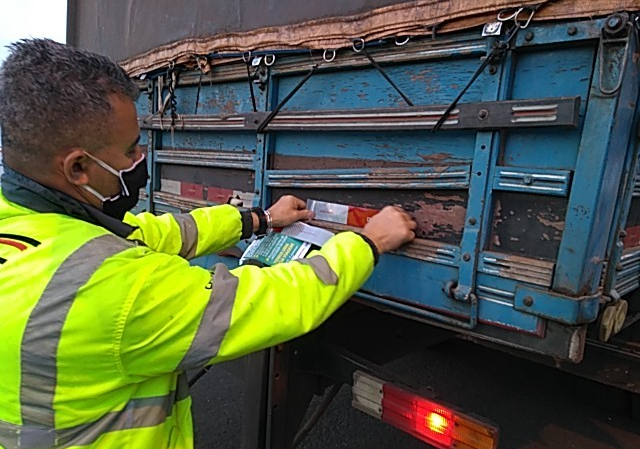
point(284, 101)
point(384, 74)
point(198, 92)
point(253, 95)
point(495, 54)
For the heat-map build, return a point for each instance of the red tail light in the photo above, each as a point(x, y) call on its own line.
point(425, 419)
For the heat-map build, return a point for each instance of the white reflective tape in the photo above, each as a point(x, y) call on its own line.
point(169, 186)
point(334, 213)
point(246, 198)
point(367, 394)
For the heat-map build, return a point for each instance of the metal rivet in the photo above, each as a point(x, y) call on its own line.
point(527, 180)
point(466, 257)
point(619, 267)
point(527, 301)
point(472, 221)
point(483, 114)
point(623, 234)
point(492, 69)
point(572, 30)
point(614, 22)
point(528, 36)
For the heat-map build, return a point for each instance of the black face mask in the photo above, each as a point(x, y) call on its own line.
point(132, 180)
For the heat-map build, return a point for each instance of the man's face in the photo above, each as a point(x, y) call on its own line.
point(120, 154)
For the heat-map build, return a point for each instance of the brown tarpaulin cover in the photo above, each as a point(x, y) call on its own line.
point(401, 19)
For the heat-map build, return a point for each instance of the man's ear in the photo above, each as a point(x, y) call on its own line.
point(75, 165)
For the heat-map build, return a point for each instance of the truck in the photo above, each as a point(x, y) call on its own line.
point(508, 130)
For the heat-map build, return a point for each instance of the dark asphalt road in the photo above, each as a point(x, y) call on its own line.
point(535, 406)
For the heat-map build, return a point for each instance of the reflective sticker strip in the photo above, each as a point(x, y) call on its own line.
point(321, 268)
point(189, 234)
point(215, 320)
point(138, 413)
point(44, 327)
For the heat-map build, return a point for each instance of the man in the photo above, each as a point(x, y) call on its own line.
point(101, 313)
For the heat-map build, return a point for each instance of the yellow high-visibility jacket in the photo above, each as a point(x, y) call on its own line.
point(97, 329)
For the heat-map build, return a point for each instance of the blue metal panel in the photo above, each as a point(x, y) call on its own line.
point(549, 73)
point(557, 307)
point(416, 147)
point(237, 141)
point(435, 82)
point(500, 293)
point(562, 33)
point(485, 156)
point(229, 98)
point(420, 169)
point(601, 156)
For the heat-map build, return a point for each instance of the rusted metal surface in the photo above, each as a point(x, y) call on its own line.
point(632, 229)
point(421, 249)
point(205, 177)
point(285, 162)
point(208, 158)
point(177, 201)
point(446, 177)
point(528, 224)
point(518, 268)
point(440, 214)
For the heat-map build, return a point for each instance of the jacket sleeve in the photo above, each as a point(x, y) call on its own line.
point(182, 317)
point(197, 233)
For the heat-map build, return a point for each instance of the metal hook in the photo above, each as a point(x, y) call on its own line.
point(531, 14)
point(246, 56)
point(358, 45)
point(404, 42)
point(333, 55)
point(172, 64)
point(513, 16)
point(201, 61)
point(269, 62)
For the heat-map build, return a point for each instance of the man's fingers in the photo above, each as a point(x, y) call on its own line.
point(306, 215)
point(300, 204)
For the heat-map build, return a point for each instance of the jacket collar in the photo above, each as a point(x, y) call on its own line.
point(26, 192)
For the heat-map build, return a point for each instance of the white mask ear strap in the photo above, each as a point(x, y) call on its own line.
point(95, 193)
point(103, 165)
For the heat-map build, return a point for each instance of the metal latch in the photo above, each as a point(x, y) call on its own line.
point(614, 51)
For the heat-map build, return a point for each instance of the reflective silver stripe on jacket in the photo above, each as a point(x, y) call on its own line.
point(138, 413)
point(322, 269)
point(215, 320)
point(38, 368)
point(189, 234)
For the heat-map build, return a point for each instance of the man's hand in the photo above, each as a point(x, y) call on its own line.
point(288, 210)
point(390, 228)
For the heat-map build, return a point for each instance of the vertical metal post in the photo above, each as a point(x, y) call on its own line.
point(602, 152)
point(484, 159)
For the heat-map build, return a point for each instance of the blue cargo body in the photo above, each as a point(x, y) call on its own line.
point(526, 197)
